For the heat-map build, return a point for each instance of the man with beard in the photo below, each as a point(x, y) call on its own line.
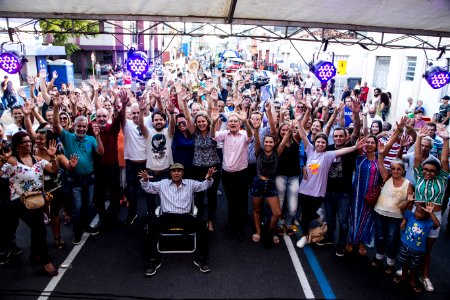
point(339, 188)
point(81, 179)
point(159, 146)
point(107, 171)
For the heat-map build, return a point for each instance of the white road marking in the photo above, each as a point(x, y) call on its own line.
point(298, 268)
point(67, 264)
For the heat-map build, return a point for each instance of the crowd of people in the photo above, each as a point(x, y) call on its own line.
point(179, 138)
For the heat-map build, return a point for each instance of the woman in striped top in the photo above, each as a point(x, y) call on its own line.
point(431, 182)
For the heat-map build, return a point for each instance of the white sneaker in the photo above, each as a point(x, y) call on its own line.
point(302, 242)
point(399, 272)
point(219, 193)
point(427, 283)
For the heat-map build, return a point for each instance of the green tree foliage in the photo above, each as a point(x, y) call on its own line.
point(64, 29)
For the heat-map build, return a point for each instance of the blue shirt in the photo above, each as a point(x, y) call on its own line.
point(84, 148)
point(416, 232)
point(347, 116)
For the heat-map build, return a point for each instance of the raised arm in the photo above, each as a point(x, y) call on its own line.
point(96, 129)
point(142, 127)
point(243, 118)
point(417, 149)
point(257, 141)
point(307, 114)
point(214, 117)
point(26, 109)
point(382, 150)
point(356, 109)
point(268, 108)
point(43, 86)
point(358, 146)
point(56, 124)
point(302, 133)
point(333, 118)
point(124, 99)
point(443, 133)
point(170, 108)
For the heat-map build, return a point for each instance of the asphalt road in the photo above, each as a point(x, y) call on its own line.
point(111, 265)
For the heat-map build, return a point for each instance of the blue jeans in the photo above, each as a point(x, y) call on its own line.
point(83, 210)
point(337, 203)
point(288, 189)
point(387, 235)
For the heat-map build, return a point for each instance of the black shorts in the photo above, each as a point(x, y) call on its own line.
point(413, 258)
point(263, 188)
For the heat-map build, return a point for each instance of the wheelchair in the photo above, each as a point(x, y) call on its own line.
point(176, 239)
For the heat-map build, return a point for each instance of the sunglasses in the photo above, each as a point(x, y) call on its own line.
point(182, 123)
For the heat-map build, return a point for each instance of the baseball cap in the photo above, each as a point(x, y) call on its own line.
point(176, 166)
point(446, 98)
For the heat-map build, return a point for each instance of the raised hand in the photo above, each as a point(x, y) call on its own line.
point(31, 79)
point(356, 105)
point(26, 108)
point(267, 105)
point(51, 149)
point(144, 175)
point(215, 114)
point(156, 92)
point(123, 97)
point(411, 198)
point(403, 122)
point(381, 147)
point(95, 129)
point(361, 143)
point(142, 105)
point(170, 106)
point(428, 207)
point(21, 93)
point(210, 173)
point(43, 74)
point(54, 75)
point(443, 133)
point(424, 131)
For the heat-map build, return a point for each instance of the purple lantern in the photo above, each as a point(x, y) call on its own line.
point(137, 63)
point(324, 70)
point(10, 62)
point(437, 77)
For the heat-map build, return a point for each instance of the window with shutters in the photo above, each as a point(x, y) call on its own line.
point(411, 62)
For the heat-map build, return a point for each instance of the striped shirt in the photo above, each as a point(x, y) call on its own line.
point(176, 200)
point(430, 190)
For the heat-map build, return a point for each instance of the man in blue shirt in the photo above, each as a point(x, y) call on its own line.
point(81, 179)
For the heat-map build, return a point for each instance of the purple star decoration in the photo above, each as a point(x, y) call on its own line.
point(11, 63)
point(137, 63)
point(437, 77)
point(324, 70)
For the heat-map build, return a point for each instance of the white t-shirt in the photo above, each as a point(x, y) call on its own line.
point(159, 149)
point(12, 129)
point(309, 83)
point(370, 120)
point(135, 143)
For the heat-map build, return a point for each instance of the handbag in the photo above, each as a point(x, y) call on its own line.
point(33, 200)
point(372, 196)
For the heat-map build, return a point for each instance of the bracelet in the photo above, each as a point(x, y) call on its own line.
point(171, 112)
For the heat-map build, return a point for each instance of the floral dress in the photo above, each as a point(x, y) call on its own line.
point(23, 178)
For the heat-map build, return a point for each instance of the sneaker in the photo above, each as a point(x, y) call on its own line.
point(219, 193)
point(76, 239)
point(427, 283)
point(399, 272)
point(92, 230)
point(339, 251)
point(130, 219)
point(15, 250)
point(325, 241)
point(153, 265)
point(4, 258)
point(202, 266)
point(302, 242)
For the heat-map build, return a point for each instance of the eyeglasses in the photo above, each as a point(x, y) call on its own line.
point(64, 118)
point(277, 107)
point(182, 123)
point(430, 171)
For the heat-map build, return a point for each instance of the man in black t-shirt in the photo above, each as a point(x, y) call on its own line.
point(339, 188)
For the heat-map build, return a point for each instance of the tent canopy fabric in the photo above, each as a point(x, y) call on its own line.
point(428, 18)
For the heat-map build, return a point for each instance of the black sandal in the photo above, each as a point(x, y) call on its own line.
point(59, 243)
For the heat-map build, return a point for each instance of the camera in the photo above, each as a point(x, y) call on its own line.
point(6, 146)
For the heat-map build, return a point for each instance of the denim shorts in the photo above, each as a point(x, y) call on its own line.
point(413, 258)
point(263, 188)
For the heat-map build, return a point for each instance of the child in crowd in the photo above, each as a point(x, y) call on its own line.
point(416, 227)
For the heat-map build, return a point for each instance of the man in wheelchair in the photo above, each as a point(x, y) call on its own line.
point(177, 196)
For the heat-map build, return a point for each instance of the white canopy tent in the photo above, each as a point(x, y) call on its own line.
point(416, 17)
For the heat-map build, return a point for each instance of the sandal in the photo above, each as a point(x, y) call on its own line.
point(59, 243)
point(349, 248)
point(275, 239)
point(362, 250)
point(256, 237)
point(398, 280)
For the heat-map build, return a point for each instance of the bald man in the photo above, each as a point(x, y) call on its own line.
point(107, 171)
